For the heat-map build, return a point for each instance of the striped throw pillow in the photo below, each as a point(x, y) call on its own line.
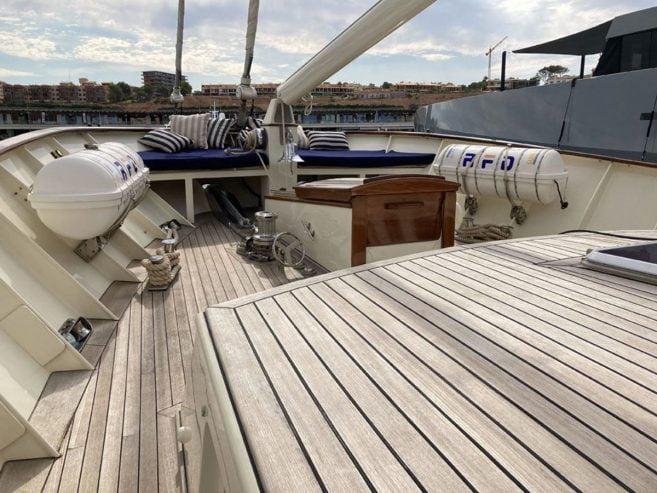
point(193, 126)
point(217, 132)
point(327, 141)
point(164, 140)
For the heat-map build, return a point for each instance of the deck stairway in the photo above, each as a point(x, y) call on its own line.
point(43, 283)
point(122, 434)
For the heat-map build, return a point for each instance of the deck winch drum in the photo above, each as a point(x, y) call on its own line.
point(266, 222)
point(86, 193)
point(514, 173)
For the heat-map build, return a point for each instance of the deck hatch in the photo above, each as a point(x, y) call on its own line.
point(635, 262)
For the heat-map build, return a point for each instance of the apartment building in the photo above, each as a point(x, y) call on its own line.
point(218, 89)
point(417, 86)
point(156, 78)
point(449, 87)
point(339, 89)
point(66, 92)
point(14, 93)
point(269, 89)
point(510, 83)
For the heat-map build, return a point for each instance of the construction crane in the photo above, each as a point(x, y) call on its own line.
point(490, 52)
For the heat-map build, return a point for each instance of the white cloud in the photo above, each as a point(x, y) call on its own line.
point(436, 57)
point(299, 43)
point(111, 37)
point(31, 47)
point(7, 72)
point(157, 52)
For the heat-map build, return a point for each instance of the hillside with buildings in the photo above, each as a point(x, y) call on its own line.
point(26, 107)
point(154, 92)
point(157, 86)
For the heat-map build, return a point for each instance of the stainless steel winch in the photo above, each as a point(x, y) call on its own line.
point(266, 244)
point(259, 246)
point(266, 222)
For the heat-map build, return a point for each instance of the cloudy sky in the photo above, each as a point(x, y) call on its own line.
point(42, 41)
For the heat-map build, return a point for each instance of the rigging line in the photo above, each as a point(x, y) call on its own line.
point(565, 114)
point(648, 131)
point(245, 92)
point(176, 96)
point(603, 233)
point(250, 39)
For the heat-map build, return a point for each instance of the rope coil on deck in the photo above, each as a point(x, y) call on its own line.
point(158, 268)
point(483, 232)
point(174, 257)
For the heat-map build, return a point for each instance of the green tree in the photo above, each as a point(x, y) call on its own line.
point(126, 90)
point(185, 88)
point(139, 94)
point(114, 93)
point(550, 71)
point(148, 92)
point(161, 91)
point(478, 86)
point(386, 85)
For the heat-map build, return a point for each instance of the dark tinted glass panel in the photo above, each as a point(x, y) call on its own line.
point(635, 53)
point(653, 49)
point(609, 62)
point(644, 253)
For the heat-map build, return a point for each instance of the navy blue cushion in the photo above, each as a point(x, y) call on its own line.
point(363, 159)
point(194, 159)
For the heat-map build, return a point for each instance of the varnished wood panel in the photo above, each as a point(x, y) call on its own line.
point(389, 209)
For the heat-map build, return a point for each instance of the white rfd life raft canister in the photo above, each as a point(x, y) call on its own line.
point(84, 194)
point(515, 173)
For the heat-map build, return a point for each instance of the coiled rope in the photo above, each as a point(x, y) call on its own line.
point(483, 232)
point(159, 270)
point(174, 257)
point(160, 266)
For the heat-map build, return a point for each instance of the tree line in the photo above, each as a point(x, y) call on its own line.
point(123, 92)
point(120, 92)
point(547, 72)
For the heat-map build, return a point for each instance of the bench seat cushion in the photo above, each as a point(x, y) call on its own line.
point(198, 159)
point(364, 159)
point(217, 159)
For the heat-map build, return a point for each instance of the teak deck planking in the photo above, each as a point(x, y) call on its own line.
point(122, 436)
point(489, 367)
point(492, 367)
